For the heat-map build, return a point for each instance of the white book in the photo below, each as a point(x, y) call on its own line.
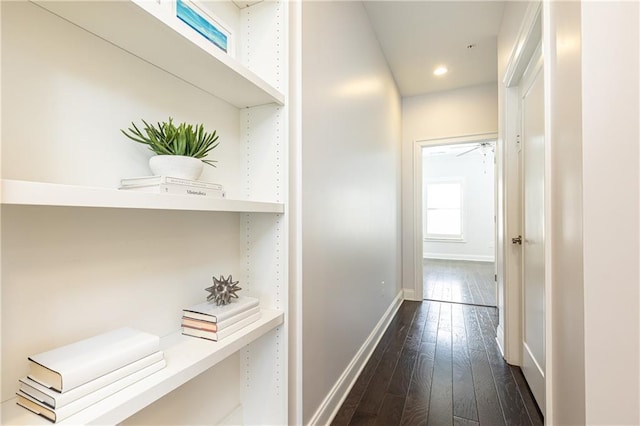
point(157, 180)
point(205, 322)
point(61, 413)
point(209, 311)
point(219, 335)
point(70, 366)
point(56, 399)
point(170, 188)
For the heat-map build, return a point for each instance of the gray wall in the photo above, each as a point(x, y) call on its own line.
point(350, 191)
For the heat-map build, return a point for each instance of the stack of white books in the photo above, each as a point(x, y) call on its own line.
point(212, 322)
point(68, 379)
point(172, 185)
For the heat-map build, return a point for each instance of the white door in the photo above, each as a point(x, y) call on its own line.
point(533, 238)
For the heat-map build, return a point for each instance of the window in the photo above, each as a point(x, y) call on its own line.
point(443, 212)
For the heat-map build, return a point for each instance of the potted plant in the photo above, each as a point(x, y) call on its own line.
point(180, 149)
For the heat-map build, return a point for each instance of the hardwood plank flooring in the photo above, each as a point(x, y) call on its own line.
point(463, 391)
point(377, 388)
point(459, 281)
point(438, 364)
point(441, 402)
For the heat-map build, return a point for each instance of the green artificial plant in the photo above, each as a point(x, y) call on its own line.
point(167, 139)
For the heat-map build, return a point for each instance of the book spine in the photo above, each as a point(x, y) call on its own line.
point(168, 188)
point(217, 336)
point(134, 183)
point(199, 317)
point(196, 183)
point(222, 316)
point(194, 332)
point(220, 325)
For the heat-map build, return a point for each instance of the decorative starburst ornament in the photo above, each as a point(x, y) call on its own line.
point(223, 290)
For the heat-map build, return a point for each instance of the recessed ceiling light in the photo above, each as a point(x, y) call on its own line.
point(440, 71)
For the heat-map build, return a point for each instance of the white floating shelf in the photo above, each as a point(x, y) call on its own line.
point(18, 192)
point(150, 31)
point(186, 357)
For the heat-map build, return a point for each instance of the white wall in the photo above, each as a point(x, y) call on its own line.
point(460, 112)
point(610, 105)
point(477, 173)
point(350, 191)
point(565, 362)
point(69, 273)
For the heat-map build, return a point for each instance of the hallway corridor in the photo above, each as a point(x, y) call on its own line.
point(439, 364)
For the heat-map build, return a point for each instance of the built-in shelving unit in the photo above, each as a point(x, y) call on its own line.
point(149, 31)
point(186, 357)
point(15, 192)
point(102, 258)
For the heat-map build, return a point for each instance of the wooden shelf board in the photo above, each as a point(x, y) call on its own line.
point(17, 192)
point(149, 31)
point(186, 357)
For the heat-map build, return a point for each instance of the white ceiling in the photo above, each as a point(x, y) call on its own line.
point(418, 36)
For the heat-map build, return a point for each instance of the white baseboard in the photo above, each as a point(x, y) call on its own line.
point(451, 256)
point(410, 294)
point(500, 339)
point(332, 403)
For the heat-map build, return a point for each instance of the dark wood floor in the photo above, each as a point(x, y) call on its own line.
point(459, 281)
point(438, 364)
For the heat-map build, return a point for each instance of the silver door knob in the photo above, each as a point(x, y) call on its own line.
point(517, 240)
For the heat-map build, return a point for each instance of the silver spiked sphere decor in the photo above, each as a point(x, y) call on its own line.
point(222, 290)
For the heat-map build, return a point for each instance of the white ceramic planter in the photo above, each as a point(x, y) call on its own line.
point(176, 166)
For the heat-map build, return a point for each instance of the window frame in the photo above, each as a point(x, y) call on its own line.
point(459, 238)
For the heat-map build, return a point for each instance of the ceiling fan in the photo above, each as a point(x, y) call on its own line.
point(483, 146)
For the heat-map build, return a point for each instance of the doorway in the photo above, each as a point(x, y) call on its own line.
point(455, 182)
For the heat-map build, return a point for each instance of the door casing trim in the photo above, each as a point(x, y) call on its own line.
point(417, 195)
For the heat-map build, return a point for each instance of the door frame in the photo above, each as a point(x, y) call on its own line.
point(418, 145)
point(510, 333)
point(529, 37)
